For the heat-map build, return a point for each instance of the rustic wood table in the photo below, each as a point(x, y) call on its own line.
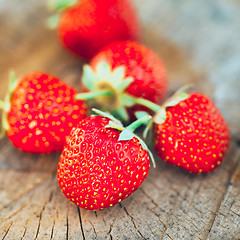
point(199, 42)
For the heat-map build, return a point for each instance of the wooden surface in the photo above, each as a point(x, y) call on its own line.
point(199, 42)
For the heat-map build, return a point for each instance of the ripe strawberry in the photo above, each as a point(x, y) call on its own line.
point(100, 165)
point(193, 135)
point(125, 71)
point(91, 24)
point(41, 112)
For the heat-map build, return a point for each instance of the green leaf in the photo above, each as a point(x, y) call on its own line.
point(126, 135)
point(122, 113)
point(52, 22)
point(176, 100)
point(147, 128)
point(107, 115)
point(92, 94)
point(124, 84)
point(103, 70)
point(115, 125)
point(61, 4)
point(118, 74)
point(148, 150)
point(12, 82)
point(89, 78)
point(127, 100)
point(5, 125)
point(140, 114)
point(183, 89)
point(161, 116)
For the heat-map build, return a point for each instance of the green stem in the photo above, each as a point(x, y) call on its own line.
point(148, 104)
point(94, 94)
point(133, 126)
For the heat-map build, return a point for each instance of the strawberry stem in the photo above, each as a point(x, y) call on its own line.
point(148, 104)
point(93, 94)
point(143, 120)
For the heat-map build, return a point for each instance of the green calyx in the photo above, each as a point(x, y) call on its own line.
point(127, 133)
point(5, 105)
point(107, 87)
point(58, 6)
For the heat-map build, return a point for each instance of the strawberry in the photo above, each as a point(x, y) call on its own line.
point(102, 163)
point(125, 72)
point(89, 25)
point(40, 112)
point(191, 134)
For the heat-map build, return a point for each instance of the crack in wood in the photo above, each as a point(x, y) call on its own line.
point(169, 236)
point(52, 230)
point(39, 222)
point(110, 231)
point(166, 234)
point(7, 231)
point(225, 216)
point(237, 214)
point(51, 196)
point(67, 228)
point(215, 187)
point(150, 228)
point(94, 230)
point(26, 192)
point(158, 216)
point(80, 220)
point(13, 214)
point(133, 222)
point(189, 220)
point(25, 230)
point(232, 171)
point(154, 203)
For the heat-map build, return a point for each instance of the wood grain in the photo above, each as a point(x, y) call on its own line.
point(198, 43)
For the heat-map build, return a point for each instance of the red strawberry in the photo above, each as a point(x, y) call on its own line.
point(123, 70)
point(41, 112)
point(194, 135)
point(91, 24)
point(99, 165)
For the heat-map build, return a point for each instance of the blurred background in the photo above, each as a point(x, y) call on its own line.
point(197, 40)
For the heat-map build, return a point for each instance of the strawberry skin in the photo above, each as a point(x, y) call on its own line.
point(194, 136)
point(92, 24)
point(142, 64)
point(42, 112)
point(96, 170)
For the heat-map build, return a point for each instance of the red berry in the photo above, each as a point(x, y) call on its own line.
point(128, 70)
point(42, 112)
point(141, 63)
point(92, 24)
point(194, 135)
point(96, 170)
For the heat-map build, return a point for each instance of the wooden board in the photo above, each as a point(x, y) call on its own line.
point(199, 43)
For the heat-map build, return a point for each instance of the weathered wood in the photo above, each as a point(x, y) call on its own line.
point(198, 41)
